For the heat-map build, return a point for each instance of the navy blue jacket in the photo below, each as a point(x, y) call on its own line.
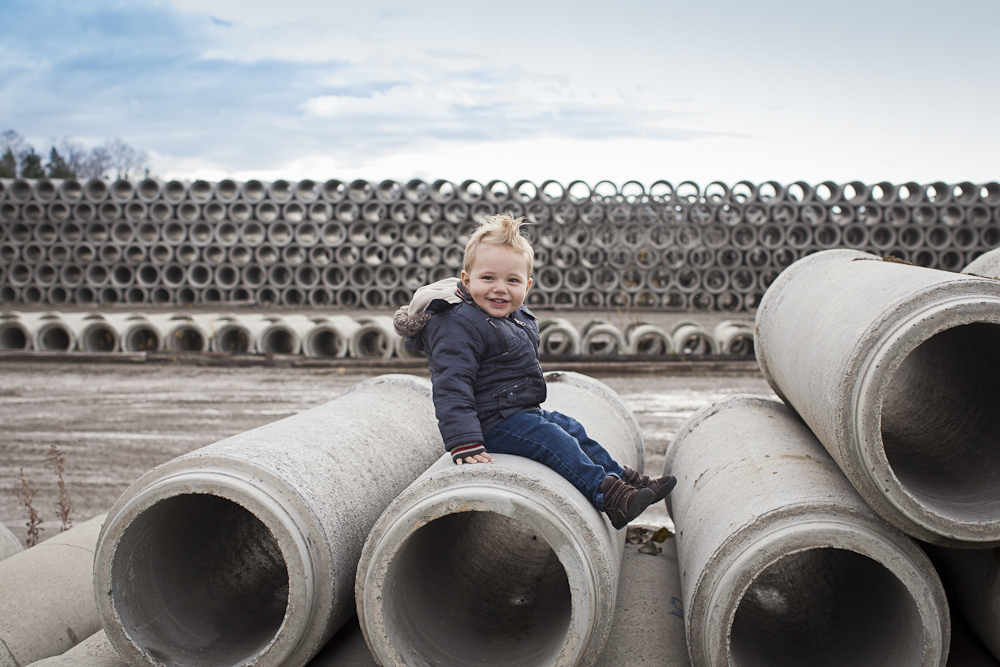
point(483, 368)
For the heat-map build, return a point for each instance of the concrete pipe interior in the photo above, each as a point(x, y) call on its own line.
point(826, 608)
point(278, 340)
point(187, 339)
point(233, 339)
point(372, 343)
point(199, 581)
point(326, 343)
point(54, 337)
point(142, 339)
point(99, 338)
point(941, 423)
point(13, 337)
point(477, 588)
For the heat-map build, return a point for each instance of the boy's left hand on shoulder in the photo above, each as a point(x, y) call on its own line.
point(478, 458)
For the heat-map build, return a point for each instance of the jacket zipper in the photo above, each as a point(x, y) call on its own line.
point(501, 341)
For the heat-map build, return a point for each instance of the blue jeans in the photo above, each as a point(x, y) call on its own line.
point(561, 443)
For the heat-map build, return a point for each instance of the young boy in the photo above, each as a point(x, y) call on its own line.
point(482, 348)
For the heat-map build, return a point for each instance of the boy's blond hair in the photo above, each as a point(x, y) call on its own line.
point(501, 230)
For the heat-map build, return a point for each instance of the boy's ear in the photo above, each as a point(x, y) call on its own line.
point(527, 285)
point(465, 278)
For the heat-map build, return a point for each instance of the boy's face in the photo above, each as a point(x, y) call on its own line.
point(498, 280)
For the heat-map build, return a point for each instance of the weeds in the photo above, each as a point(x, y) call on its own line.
point(24, 496)
point(57, 460)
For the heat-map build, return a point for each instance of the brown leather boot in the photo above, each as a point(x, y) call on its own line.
point(661, 486)
point(622, 503)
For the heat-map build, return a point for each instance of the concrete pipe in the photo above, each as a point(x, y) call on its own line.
point(135, 332)
point(47, 604)
point(733, 337)
point(9, 544)
point(649, 339)
point(251, 544)
point(95, 651)
point(972, 579)
point(896, 368)
point(49, 332)
point(558, 336)
point(692, 338)
point(272, 335)
point(93, 332)
point(375, 338)
point(226, 333)
point(330, 337)
point(782, 562)
point(181, 333)
point(602, 338)
point(503, 563)
point(14, 334)
point(986, 265)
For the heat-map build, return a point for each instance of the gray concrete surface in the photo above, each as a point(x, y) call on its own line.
point(896, 369)
point(94, 651)
point(246, 550)
point(782, 561)
point(47, 601)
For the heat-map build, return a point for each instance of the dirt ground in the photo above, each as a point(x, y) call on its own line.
point(114, 422)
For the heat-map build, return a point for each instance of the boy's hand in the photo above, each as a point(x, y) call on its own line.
point(478, 458)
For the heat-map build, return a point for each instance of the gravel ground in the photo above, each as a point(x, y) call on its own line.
point(115, 422)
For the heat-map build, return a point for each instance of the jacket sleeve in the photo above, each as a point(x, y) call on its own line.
point(454, 347)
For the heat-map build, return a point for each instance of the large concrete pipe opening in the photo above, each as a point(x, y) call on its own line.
point(474, 588)
point(826, 607)
point(54, 336)
point(99, 337)
point(217, 569)
point(941, 423)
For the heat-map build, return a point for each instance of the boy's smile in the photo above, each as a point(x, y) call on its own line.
point(498, 280)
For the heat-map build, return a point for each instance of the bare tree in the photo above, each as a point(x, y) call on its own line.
point(97, 164)
point(126, 160)
point(12, 148)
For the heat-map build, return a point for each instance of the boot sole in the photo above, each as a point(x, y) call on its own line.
point(643, 499)
point(665, 490)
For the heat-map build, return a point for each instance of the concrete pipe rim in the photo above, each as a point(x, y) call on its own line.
point(483, 497)
point(901, 563)
point(99, 336)
point(254, 497)
point(234, 338)
point(916, 486)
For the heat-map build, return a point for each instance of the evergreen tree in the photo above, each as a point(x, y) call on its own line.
point(58, 167)
point(8, 165)
point(31, 164)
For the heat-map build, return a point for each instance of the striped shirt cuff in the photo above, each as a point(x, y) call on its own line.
point(461, 451)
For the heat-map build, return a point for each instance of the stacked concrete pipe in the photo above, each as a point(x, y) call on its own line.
point(244, 552)
point(782, 562)
point(503, 563)
point(47, 604)
point(896, 369)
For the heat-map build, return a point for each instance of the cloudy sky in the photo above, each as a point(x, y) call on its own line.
point(714, 90)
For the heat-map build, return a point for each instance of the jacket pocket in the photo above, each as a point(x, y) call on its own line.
point(512, 397)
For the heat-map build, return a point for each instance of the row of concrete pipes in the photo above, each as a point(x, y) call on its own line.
point(370, 245)
point(337, 336)
point(822, 529)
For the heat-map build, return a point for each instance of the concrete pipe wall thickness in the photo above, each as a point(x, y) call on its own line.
point(245, 551)
point(782, 562)
point(502, 564)
point(896, 369)
point(47, 605)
